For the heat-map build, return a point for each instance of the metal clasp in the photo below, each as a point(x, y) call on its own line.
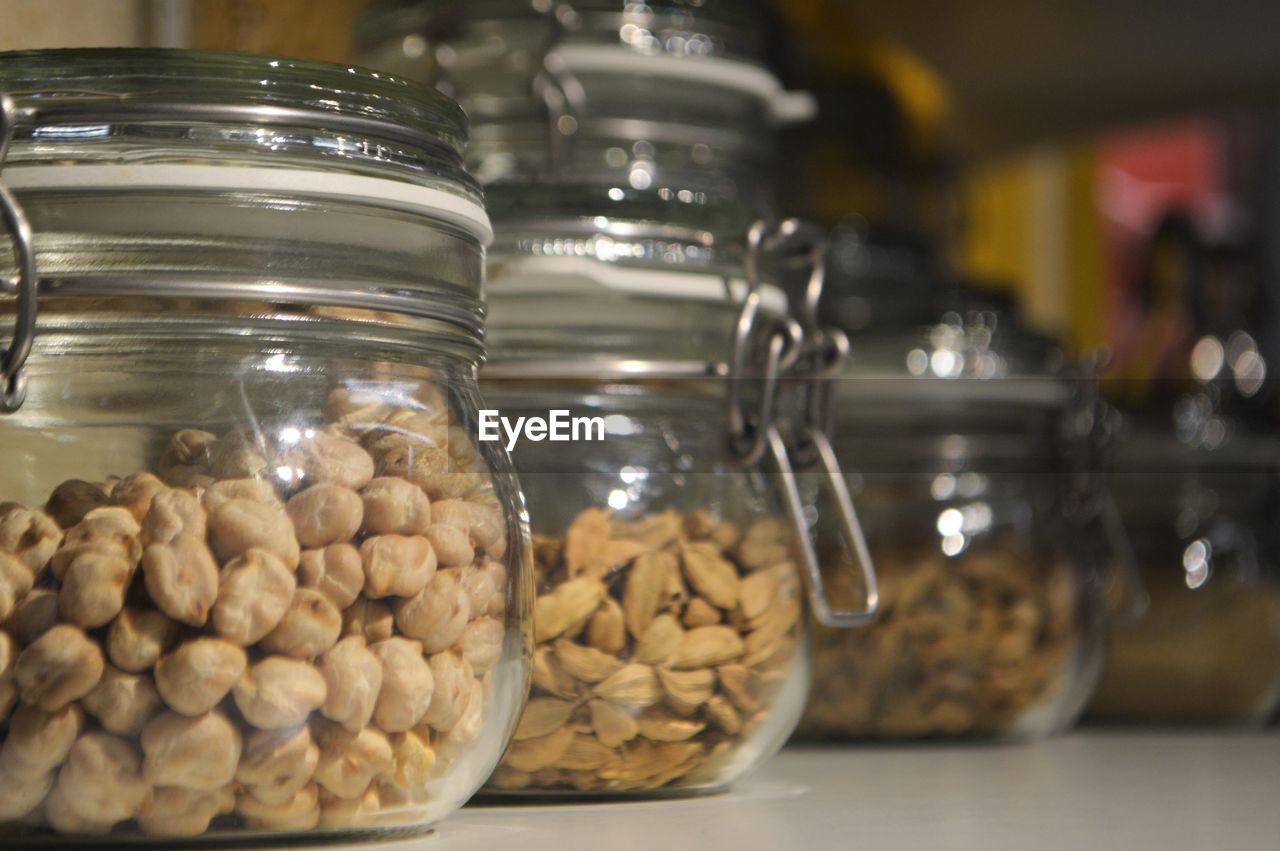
point(13, 377)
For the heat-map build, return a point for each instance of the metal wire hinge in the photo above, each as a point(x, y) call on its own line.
point(13, 359)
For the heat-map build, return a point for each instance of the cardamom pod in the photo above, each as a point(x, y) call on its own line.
point(585, 753)
point(659, 641)
point(586, 663)
point(612, 724)
point(687, 690)
point(635, 686)
point(543, 715)
point(607, 631)
point(707, 646)
point(643, 594)
point(701, 613)
point(711, 575)
point(535, 754)
point(721, 713)
point(568, 606)
point(660, 725)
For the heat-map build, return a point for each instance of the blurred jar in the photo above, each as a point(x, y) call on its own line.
point(258, 577)
point(672, 97)
point(671, 625)
point(957, 439)
point(1203, 522)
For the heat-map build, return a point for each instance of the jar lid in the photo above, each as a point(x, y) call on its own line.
point(155, 118)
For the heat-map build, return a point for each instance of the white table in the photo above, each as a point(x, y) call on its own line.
point(1090, 790)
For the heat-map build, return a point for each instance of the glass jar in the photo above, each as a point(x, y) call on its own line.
point(259, 579)
point(672, 97)
point(957, 440)
point(1207, 544)
point(671, 631)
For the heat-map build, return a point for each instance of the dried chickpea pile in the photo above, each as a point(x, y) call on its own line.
point(960, 646)
point(661, 644)
point(271, 636)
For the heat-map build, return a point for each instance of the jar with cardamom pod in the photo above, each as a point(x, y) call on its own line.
point(672, 586)
point(258, 579)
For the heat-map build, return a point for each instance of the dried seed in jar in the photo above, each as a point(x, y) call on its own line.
point(350, 408)
point(411, 759)
point(99, 785)
point(660, 640)
point(33, 616)
point(39, 741)
point(135, 493)
point(538, 753)
point(428, 467)
point(122, 702)
point(58, 667)
point(350, 761)
point(350, 812)
point(407, 685)
point(452, 677)
point(568, 606)
point(175, 811)
point(335, 571)
point(452, 545)
point(8, 688)
point(185, 461)
point(711, 575)
point(481, 643)
point(335, 460)
point(254, 592)
point(240, 525)
point(685, 691)
point(543, 715)
point(700, 613)
point(223, 491)
point(279, 692)
point(368, 618)
point(19, 798)
point(32, 536)
point(397, 565)
point(182, 579)
point(104, 528)
point(174, 512)
point(660, 725)
point(196, 676)
point(93, 587)
point(138, 637)
point(438, 614)
point(483, 523)
point(276, 764)
point(195, 752)
point(463, 734)
point(606, 631)
point(705, 646)
point(633, 685)
point(353, 676)
point(300, 812)
point(395, 506)
point(16, 581)
point(586, 663)
point(481, 582)
point(643, 596)
point(238, 455)
point(325, 514)
point(310, 626)
point(72, 500)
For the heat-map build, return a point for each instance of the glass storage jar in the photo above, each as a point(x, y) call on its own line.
point(1203, 522)
point(956, 439)
point(670, 96)
point(258, 578)
point(671, 653)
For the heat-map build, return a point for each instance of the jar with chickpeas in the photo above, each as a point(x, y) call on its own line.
point(257, 578)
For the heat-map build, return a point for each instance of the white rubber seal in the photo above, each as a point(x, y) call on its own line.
point(654, 283)
point(784, 107)
point(394, 194)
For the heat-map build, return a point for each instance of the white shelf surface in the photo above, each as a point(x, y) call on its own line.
point(1091, 790)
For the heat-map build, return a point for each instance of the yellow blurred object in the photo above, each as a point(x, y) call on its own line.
point(312, 29)
point(41, 24)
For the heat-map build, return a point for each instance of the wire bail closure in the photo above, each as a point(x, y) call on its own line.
point(13, 359)
point(797, 348)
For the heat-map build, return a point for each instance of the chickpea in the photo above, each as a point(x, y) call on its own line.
point(185, 461)
point(174, 512)
point(481, 643)
point(137, 637)
point(349, 812)
point(368, 618)
point(58, 667)
point(199, 752)
point(254, 592)
point(349, 761)
point(99, 785)
point(332, 459)
point(394, 506)
point(310, 626)
point(401, 804)
point(20, 796)
point(175, 811)
point(197, 675)
point(279, 692)
point(93, 587)
point(481, 582)
point(350, 409)
point(452, 675)
point(16, 581)
point(301, 812)
point(101, 529)
point(463, 734)
point(182, 579)
point(72, 500)
point(407, 428)
point(34, 616)
point(8, 688)
point(39, 741)
point(482, 522)
point(428, 467)
point(407, 684)
point(238, 456)
point(225, 490)
point(397, 565)
point(354, 678)
point(438, 615)
point(122, 702)
point(276, 764)
point(325, 514)
point(411, 759)
point(239, 525)
point(32, 536)
point(335, 571)
point(452, 545)
point(135, 493)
